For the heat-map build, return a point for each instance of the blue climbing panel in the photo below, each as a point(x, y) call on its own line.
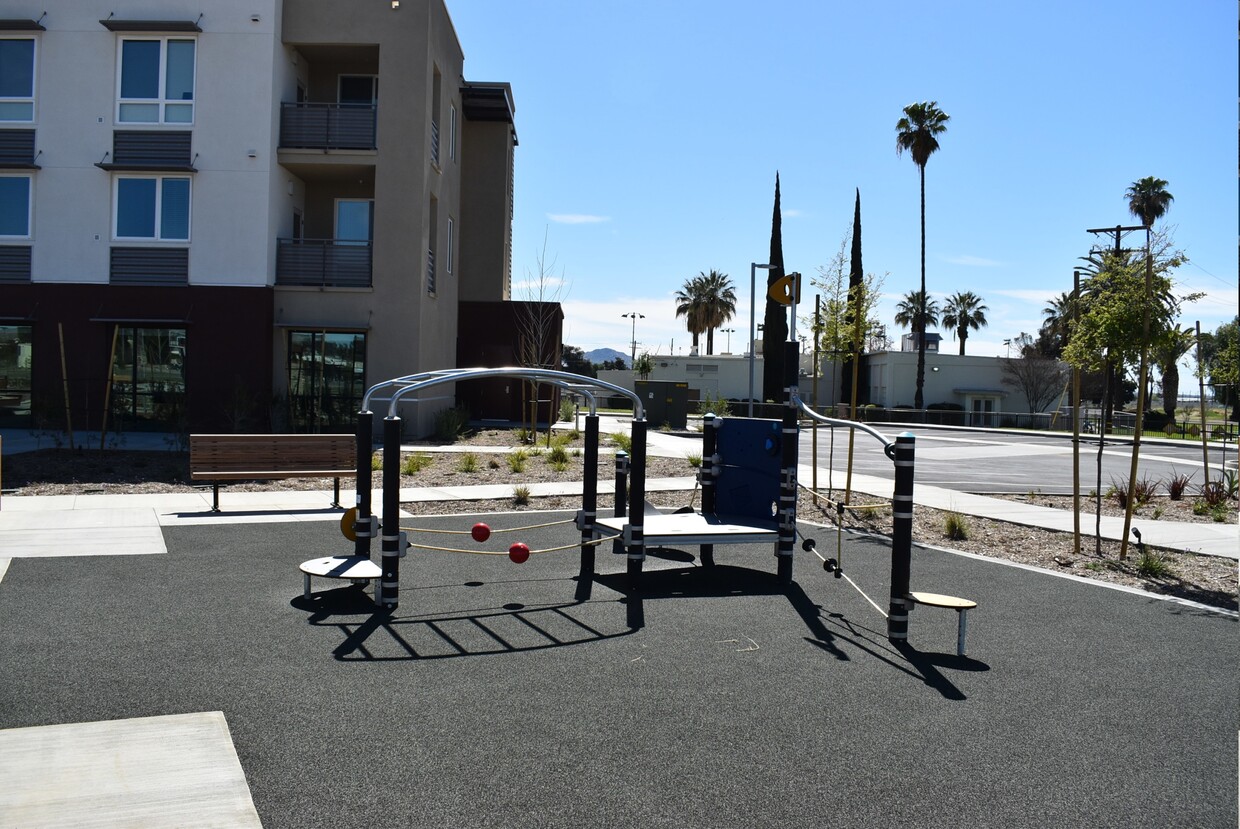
point(751, 452)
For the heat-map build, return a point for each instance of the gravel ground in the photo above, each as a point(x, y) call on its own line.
point(486, 458)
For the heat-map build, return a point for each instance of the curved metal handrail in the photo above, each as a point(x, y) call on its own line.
point(576, 383)
point(889, 446)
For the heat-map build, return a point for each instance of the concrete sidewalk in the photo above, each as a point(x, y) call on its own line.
point(60, 525)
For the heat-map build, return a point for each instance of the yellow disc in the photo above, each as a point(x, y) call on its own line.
point(346, 523)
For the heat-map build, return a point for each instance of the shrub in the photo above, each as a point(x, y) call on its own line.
point(714, 405)
point(520, 495)
point(694, 460)
point(1151, 565)
point(517, 459)
point(413, 464)
point(451, 424)
point(557, 455)
point(1231, 483)
point(467, 463)
point(956, 527)
point(1176, 485)
point(1144, 490)
point(376, 461)
point(1218, 513)
point(522, 435)
point(567, 409)
point(493, 464)
point(1213, 493)
point(1200, 507)
point(558, 466)
point(623, 441)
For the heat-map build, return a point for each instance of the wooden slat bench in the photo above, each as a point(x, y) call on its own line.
point(219, 458)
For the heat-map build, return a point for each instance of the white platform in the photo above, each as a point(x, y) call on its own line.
point(179, 770)
point(693, 528)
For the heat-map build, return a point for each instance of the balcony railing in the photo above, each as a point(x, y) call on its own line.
point(327, 126)
point(430, 271)
point(435, 143)
point(323, 263)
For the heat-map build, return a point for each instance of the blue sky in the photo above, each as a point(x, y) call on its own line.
point(651, 132)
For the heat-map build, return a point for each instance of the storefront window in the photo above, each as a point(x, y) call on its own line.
point(326, 379)
point(148, 379)
point(16, 355)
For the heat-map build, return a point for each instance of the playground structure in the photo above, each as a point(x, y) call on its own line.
point(748, 477)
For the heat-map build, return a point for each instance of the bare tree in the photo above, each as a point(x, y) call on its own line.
point(538, 317)
point(1040, 378)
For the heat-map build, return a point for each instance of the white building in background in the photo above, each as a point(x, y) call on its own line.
point(888, 380)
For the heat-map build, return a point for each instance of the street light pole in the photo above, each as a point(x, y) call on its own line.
point(636, 316)
point(728, 331)
point(753, 276)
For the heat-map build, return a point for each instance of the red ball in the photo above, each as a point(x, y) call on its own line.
point(519, 552)
point(480, 532)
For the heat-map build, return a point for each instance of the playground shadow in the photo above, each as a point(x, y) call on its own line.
point(830, 632)
point(375, 634)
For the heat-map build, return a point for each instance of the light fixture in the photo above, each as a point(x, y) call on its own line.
point(254, 18)
point(395, 4)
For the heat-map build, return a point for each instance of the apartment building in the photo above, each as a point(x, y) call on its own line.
point(238, 214)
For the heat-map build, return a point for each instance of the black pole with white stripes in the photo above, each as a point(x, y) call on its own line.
point(389, 582)
point(901, 537)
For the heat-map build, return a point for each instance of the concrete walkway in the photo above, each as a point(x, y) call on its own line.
point(104, 524)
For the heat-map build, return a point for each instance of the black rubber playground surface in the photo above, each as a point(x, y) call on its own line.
point(493, 698)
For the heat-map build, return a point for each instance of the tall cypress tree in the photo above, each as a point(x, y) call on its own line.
point(775, 320)
point(856, 278)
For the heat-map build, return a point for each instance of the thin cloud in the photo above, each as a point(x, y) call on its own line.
point(973, 261)
point(577, 218)
point(791, 213)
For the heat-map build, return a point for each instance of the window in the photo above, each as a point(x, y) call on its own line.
point(15, 207)
point(357, 90)
point(15, 359)
point(156, 81)
point(355, 221)
point(148, 378)
point(447, 259)
point(326, 379)
point(152, 207)
point(17, 79)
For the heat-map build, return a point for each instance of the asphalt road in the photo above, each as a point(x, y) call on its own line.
point(993, 462)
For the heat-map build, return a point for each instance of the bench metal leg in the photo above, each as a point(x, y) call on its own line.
point(215, 497)
point(963, 614)
point(305, 585)
point(336, 493)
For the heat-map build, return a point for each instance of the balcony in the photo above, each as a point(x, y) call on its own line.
point(323, 263)
point(327, 126)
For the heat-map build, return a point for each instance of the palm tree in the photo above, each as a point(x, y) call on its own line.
point(1148, 199)
point(718, 303)
point(689, 305)
point(917, 132)
point(1058, 315)
point(913, 308)
point(962, 311)
point(1168, 350)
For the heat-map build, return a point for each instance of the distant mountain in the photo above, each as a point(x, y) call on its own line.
point(601, 355)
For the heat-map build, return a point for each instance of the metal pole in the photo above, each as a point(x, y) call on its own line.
point(901, 537)
point(1076, 431)
point(814, 394)
point(1201, 404)
point(753, 276)
point(706, 475)
point(787, 533)
point(389, 584)
point(362, 524)
point(622, 494)
point(637, 503)
point(589, 507)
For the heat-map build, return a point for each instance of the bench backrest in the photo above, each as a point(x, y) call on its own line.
point(272, 453)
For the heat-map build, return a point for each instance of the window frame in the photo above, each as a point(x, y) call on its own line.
point(449, 257)
point(158, 208)
point(34, 82)
point(29, 207)
point(162, 101)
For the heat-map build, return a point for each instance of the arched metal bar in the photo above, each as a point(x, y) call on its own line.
point(415, 383)
point(889, 446)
